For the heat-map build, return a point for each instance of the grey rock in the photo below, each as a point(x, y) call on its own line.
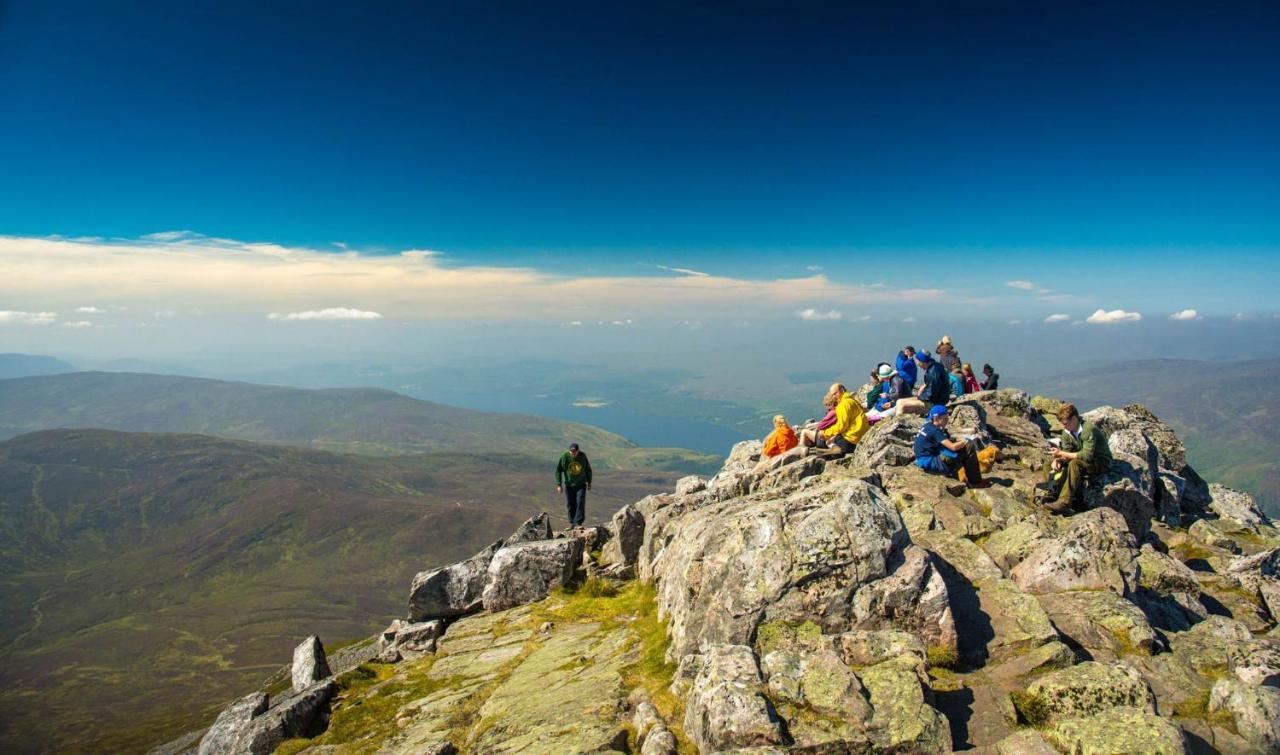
point(225, 736)
point(888, 443)
point(451, 591)
point(1237, 508)
point(1097, 552)
point(309, 663)
point(1129, 488)
point(623, 549)
point(913, 598)
point(1172, 455)
point(534, 528)
point(526, 572)
point(659, 742)
point(690, 484)
point(420, 637)
point(645, 719)
point(1118, 730)
point(1205, 531)
point(725, 708)
point(1255, 711)
point(304, 714)
point(1090, 688)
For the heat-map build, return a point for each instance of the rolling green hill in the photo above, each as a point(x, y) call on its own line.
point(354, 420)
point(25, 365)
point(148, 578)
point(1226, 413)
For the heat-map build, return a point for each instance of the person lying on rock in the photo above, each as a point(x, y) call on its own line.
point(781, 440)
point(1083, 453)
point(850, 425)
point(937, 453)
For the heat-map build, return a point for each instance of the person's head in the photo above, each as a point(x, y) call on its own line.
point(946, 341)
point(967, 369)
point(938, 416)
point(986, 369)
point(885, 372)
point(910, 351)
point(833, 394)
point(1069, 417)
point(779, 421)
point(573, 449)
point(957, 371)
point(924, 358)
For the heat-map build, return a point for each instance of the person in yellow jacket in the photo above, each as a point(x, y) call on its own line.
point(851, 422)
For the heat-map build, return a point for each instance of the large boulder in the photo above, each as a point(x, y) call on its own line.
point(224, 737)
point(1168, 591)
point(1117, 730)
point(904, 719)
point(1103, 623)
point(801, 557)
point(1236, 510)
point(526, 572)
point(1171, 453)
point(1089, 688)
point(309, 664)
point(534, 528)
point(250, 727)
point(1097, 552)
point(1128, 488)
point(451, 591)
point(623, 547)
point(913, 598)
point(888, 443)
point(725, 708)
point(1255, 711)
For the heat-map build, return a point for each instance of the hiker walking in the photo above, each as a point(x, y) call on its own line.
point(573, 477)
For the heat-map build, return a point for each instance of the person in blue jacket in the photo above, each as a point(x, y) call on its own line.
point(935, 390)
point(906, 367)
point(956, 379)
point(937, 453)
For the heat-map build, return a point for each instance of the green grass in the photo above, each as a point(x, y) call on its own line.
point(1032, 709)
point(940, 656)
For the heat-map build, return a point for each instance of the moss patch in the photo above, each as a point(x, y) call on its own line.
point(1032, 709)
point(777, 635)
point(942, 656)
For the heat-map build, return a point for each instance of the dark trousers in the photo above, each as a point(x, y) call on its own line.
point(966, 458)
point(575, 498)
point(1076, 478)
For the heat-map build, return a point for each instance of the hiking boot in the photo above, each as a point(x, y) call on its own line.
point(981, 484)
point(1058, 506)
point(1047, 486)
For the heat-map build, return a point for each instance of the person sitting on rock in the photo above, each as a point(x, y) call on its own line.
point(1083, 453)
point(877, 386)
point(971, 384)
point(850, 425)
point(990, 380)
point(781, 440)
point(937, 453)
point(956, 378)
point(809, 437)
point(905, 364)
point(935, 389)
point(892, 390)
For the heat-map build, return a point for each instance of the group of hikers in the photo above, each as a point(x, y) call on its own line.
point(922, 383)
point(919, 383)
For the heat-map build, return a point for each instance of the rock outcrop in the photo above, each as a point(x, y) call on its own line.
point(818, 604)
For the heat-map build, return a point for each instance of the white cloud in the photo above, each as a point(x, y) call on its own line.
point(27, 318)
point(812, 314)
point(1015, 322)
point(182, 271)
point(165, 314)
point(1057, 318)
point(78, 324)
point(908, 320)
point(862, 318)
point(1021, 285)
point(91, 310)
point(685, 271)
point(1244, 317)
point(332, 313)
point(814, 268)
point(1107, 317)
point(1186, 314)
point(574, 323)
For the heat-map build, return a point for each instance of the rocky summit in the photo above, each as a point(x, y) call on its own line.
point(826, 604)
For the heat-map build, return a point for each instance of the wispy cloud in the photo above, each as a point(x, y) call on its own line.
point(27, 318)
point(1109, 317)
point(685, 271)
point(182, 271)
point(91, 310)
point(1186, 314)
point(1057, 318)
point(814, 315)
point(77, 324)
point(331, 313)
point(1021, 285)
point(908, 320)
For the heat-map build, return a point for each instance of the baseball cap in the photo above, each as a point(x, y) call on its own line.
point(573, 446)
point(937, 411)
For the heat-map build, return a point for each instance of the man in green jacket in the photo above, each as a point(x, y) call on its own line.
point(573, 476)
point(1083, 453)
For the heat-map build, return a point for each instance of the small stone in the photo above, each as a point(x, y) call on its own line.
point(309, 664)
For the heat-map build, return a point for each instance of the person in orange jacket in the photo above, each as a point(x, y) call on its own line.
point(781, 440)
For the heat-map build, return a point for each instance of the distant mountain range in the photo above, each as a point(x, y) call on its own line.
point(148, 578)
point(356, 420)
point(26, 365)
point(1227, 413)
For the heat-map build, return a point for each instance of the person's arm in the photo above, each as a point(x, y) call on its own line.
point(844, 419)
point(587, 463)
point(560, 472)
point(953, 445)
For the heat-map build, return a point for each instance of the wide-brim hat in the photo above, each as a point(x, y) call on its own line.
point(886, 371)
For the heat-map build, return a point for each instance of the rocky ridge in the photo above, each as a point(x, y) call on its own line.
point(832, 605)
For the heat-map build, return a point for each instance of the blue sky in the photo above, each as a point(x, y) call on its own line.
point(1121, 156)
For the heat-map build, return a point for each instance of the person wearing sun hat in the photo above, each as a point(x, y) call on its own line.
point(892, 390)
point(937, 453)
